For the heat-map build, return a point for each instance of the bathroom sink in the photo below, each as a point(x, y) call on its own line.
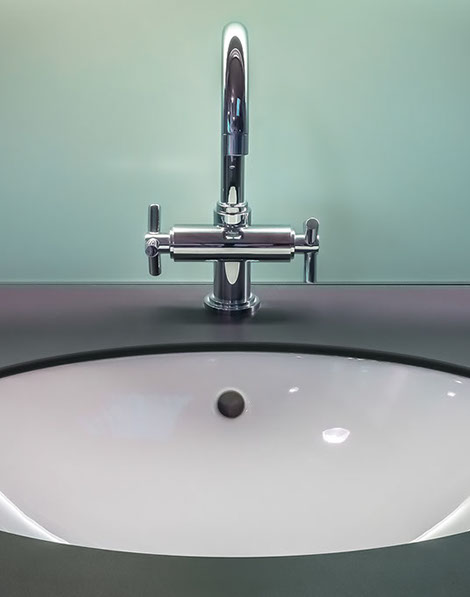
point(314, 453)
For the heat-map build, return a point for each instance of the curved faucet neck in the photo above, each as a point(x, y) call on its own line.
point(235, 90)
point(232, 209)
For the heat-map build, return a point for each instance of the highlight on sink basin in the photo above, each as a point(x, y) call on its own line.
point(234, 454)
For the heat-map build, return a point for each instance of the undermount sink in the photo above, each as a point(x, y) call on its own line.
point(328, 454)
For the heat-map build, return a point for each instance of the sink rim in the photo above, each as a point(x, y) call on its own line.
point(266, 347)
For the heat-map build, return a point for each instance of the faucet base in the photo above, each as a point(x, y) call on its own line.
point(232, 308)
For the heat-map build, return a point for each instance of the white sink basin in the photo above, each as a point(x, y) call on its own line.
point(330, 454)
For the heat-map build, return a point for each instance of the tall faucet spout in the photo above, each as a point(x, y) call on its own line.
point(232, 243)
point(234, 125)
point(235, 91)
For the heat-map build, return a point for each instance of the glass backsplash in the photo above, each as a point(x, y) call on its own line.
point(359, 115)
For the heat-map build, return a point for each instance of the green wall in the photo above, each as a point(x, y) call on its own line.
point(359, 115)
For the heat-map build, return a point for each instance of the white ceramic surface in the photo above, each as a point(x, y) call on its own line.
point(331, 454)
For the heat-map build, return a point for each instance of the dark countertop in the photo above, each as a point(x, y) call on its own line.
point(39, 322)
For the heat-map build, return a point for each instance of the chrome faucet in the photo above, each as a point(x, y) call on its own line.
point(232, 243)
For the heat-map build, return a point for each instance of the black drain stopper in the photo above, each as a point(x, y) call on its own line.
point(231, 404)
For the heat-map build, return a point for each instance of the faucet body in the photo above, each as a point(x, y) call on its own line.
point(232, 243)
point(232, 279)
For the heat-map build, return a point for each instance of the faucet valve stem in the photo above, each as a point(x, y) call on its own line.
point(151, 248)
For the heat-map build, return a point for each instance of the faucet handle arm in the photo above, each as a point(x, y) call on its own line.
point(152, 245)
point(311, 227)
point(153, 253)
point(309, 244)
point(310, 267)
point(154, 217)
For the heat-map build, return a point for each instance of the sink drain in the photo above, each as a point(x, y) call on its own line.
point(231, 404)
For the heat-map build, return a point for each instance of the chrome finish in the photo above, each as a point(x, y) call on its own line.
point(248, 244)
point(311, 231)
point(154, 218)
point(235, 90)
point(232, 209)
point(155, 264)
point(310, 268)
point(152, 245)
point(225, 306)
point(310, 258)
point(232, 243)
